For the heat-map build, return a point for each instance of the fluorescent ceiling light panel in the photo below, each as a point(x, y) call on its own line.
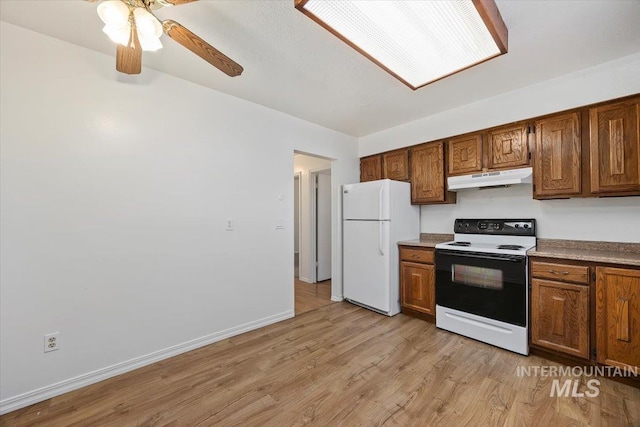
point(416, 41)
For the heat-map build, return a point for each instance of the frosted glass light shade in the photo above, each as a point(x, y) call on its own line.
point(118, 33)
point(149, 30)
point(416, 41)
point(113, 12)
point(115, 16)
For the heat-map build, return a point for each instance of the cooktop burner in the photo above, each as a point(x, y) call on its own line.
point(459, 244)
point(511, 247)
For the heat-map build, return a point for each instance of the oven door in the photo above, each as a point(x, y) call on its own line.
point(488, 285)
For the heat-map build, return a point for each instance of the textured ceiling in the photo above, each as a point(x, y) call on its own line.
point(295, 66)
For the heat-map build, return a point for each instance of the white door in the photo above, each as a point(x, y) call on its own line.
point(323, 227)
point(366, 200)
point(366, 263)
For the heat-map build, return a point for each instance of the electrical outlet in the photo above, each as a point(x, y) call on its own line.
point(52, 342)
point(229, 224)
point(279, 225)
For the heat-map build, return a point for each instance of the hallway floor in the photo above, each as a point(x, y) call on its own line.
point(311, 296)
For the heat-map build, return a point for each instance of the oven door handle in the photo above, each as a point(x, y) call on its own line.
point(493, 257)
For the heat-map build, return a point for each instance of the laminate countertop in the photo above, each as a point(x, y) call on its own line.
point(583, 250)
point(427, 240)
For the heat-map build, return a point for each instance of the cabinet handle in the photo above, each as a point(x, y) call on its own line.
point(564, 273)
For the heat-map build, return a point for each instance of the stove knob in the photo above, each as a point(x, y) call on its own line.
point(526, 226)
point(517, 225)
point(466, 225)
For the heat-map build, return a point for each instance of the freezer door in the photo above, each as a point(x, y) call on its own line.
point(366, 263)
point(366, 200)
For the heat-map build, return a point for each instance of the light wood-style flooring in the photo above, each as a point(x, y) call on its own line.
point(311, 296)
point(337, 365)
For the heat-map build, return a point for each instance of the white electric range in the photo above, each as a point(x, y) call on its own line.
point(482, 288)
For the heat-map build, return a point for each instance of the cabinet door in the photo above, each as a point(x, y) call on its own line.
point(557, 156)
point(417, 283)
point(615, 147)
point(560, 317)
point(508, 147)
point(395, 165)
point(370, 168)
point(618, 316)
point(427, 173)
point(465, 154)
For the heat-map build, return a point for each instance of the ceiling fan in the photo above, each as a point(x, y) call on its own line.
point(134, 27)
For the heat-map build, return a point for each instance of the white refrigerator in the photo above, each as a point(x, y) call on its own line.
point(376, 215)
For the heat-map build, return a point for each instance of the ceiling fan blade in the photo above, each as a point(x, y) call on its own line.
point(201, 48)
point(129, 58)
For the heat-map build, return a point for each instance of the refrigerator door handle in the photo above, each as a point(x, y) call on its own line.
point(380, 203)
point(380, 233)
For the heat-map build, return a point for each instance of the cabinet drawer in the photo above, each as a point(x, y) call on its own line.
point(417, 255)
point(563, 272)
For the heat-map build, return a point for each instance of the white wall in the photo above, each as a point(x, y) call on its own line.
point(605, 81)
point(115, 195)
point(605, 219)
point(304, 165)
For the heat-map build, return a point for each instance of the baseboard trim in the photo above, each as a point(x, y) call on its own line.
point(337, 298)
point(304, 279)
point(44, 393)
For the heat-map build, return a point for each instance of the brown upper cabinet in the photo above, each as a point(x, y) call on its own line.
point(371, 168)
point(591, 151)
point(465, 154)
point(508, 147)
point(395, 165)
point(505, 147)
point(615, 147)
point(557, 157)
point(428, 174)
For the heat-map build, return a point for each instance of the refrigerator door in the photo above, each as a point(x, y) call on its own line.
point(366, 201)
point(367, 263)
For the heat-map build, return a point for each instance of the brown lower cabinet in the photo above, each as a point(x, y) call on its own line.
point(417, 282)
point(586, 310)
point(560, 316)
point(618, 316)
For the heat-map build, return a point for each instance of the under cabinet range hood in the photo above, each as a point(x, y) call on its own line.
point(490, 179)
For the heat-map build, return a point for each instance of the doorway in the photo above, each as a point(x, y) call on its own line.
point(313, 222)
point(321, 224)
point(296, 224)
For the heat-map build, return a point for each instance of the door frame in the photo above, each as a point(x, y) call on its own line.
point(313, 226)
point(336, 223)
point(298, 176)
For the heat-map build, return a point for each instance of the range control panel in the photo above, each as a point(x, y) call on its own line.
point(507, 227)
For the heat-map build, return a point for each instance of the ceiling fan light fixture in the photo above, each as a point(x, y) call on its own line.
point(149, 30)
point(113, 12)
point(418, 42)
point(118, 33)
point(115, 16)
point(149, 44)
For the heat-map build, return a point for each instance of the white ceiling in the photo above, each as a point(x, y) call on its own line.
point(293, 65)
